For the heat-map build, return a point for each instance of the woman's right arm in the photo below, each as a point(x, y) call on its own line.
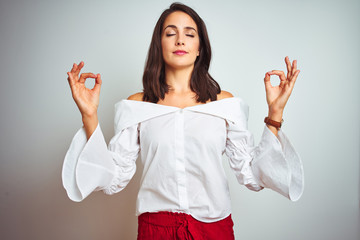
point(86, 99)
point(90, 165)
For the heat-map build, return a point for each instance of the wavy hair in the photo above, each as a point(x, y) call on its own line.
point(201, 82)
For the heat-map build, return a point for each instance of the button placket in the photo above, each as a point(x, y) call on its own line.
point(180, 160)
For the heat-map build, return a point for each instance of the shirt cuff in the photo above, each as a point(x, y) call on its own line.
point(278, 166)
point(88, 166)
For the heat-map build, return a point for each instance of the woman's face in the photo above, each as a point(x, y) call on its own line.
point(180, 41)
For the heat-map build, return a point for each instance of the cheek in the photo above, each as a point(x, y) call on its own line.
point(196, 44)
point(164, 51)
point(196, 47)
point(165, 44)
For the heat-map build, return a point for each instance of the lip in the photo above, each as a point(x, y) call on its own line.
point(180, 52)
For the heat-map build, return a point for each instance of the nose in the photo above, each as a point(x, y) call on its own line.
point(180, 41)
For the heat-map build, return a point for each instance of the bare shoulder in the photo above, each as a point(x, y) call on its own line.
point(224, 94)
point(137, 96)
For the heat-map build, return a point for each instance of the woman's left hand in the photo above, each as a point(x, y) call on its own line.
point(277, 96)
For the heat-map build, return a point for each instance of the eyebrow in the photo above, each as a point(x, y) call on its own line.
point(173, 26)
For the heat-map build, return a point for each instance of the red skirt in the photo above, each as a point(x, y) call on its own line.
point(181, 226)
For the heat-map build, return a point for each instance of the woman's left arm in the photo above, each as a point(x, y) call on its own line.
point(277, 96)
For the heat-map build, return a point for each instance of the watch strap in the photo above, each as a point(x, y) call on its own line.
point(273, 123)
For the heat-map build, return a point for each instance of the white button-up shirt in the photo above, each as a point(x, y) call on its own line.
point(181, 151)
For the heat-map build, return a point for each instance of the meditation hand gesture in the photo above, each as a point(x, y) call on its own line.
point(86, 99)
point(277, 96)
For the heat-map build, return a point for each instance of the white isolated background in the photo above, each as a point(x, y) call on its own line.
point(40, 40)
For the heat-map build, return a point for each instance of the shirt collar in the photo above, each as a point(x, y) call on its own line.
point(130, 112)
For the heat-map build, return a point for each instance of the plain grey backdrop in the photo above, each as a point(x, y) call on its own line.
point(40, 40)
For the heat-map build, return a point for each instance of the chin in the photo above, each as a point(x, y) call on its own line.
point(180, 66)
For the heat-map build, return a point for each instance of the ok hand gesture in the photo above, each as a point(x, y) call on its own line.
point(86, 99)
point(277, 96)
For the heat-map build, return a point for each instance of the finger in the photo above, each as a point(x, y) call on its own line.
point(79, 67)
point(267, 81)
point(70, 79)
point(84, 76)
point(278, 73)
point(267, 77)
point(73, 69)
point(98, 82)
point(294, 67)
point(288, 66)
point(281, 75)
point(98, 79)
point(293, 79)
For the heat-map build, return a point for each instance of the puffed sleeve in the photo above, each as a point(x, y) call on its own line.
point(273, 164)
point(91, 165)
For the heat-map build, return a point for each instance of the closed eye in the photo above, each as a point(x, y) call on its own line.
point(190, 35)
point(170, 34)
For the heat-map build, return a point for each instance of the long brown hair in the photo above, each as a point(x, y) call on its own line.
point(201, 82)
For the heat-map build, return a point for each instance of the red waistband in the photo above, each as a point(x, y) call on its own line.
point(173, 219)
point(172, 225)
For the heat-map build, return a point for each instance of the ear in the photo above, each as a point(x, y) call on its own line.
point(198, 53)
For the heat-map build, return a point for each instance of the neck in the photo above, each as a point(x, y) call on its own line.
point(178, 79)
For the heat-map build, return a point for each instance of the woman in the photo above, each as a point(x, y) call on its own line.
point(181, 124)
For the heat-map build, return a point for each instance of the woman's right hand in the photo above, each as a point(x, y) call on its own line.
point(86, 99)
